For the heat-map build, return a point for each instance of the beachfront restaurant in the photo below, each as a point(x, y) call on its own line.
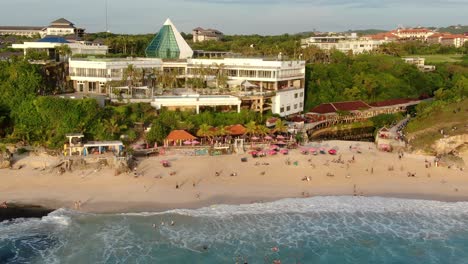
point(103, 147)
point(179, 138)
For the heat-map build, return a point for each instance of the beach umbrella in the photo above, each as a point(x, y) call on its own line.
point(187, 142)
point(280, 137)
point(281, 143)
point(268, 138)
point(254, 138)
point(195, 142)
point(312, 149)
point(272, 152)
point(274, 146)
point(284, 151)
point(253, 152)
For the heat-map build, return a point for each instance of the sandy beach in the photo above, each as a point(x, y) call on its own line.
point(193, 182)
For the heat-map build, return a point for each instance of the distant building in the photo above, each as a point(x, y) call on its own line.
point(169, 44)
point(448, 39)
point(344, 43)
point(200, 34)
point(63, 27)
point(412, 33)
point(420, 63)
point(23, 31)
point(50, 44)
point(59, 27)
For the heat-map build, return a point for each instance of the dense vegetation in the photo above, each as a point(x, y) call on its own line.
point(335, 76)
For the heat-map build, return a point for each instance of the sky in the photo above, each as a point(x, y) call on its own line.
point(264, 17)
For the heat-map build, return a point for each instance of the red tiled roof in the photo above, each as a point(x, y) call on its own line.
point(179, 135)
point(324, 109)
point(340, 106)
point(351, 106)
point(236, 130)
point(392, 102)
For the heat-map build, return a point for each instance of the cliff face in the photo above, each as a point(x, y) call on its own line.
point(450, 144)
point(6, 159)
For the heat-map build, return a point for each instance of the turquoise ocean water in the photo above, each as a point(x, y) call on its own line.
point(315, 230)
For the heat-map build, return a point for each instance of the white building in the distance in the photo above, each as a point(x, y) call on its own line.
point(59, 27)
point(344, 43)
point(50, 44)
point(201, 34)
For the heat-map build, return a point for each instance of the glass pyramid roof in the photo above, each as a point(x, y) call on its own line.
point(168, 44)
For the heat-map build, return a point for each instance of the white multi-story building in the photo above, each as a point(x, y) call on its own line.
point(93, 75)
point(255, 84)
point(260, 84)
point(343, 43)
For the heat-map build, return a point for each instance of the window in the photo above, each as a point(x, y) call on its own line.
point(295, 106)
point(302, 94)
point(92, 87)
point(282, 109)
point(288, 108)
point(295, 95)
point(301, 105)
point(80, 86)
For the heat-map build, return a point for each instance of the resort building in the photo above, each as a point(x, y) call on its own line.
point(260, 85)
point(169, 44)
point(412, 33)
point(343, 43)
point(91, 75)
point(200, 34)
point(50, 44)
point(59, 27)
point(22, 31)
point(448, 39)
point(255, 84)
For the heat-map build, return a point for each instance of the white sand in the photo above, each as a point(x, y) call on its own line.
point(101, 191)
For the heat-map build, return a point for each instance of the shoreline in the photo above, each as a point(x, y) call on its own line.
point(157, 189)
point(40, 209)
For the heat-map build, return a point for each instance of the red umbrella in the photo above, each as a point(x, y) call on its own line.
point(281, 143)
point(273, 147)
point(284, 151)
point(272, 152)
point(187, 142)
point(268, 138)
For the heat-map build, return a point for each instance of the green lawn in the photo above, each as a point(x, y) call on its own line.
point(441, 58)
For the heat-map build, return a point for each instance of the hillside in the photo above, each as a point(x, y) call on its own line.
point(454, 29)
point(439, 125)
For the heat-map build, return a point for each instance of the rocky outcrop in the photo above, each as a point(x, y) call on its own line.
point(6, 159)
point(450, 144)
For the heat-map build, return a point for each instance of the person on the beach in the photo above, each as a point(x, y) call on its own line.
point(4, 205)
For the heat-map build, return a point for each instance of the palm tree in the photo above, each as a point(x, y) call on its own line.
point(251, 128)
point(221, 131)
point(263, 130)
point(204, 131)
point(64, 51)
point(280, 126)
point(113, 126)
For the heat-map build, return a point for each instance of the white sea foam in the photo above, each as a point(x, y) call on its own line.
point(328, 204)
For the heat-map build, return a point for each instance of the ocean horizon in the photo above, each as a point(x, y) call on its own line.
point(341, 229)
